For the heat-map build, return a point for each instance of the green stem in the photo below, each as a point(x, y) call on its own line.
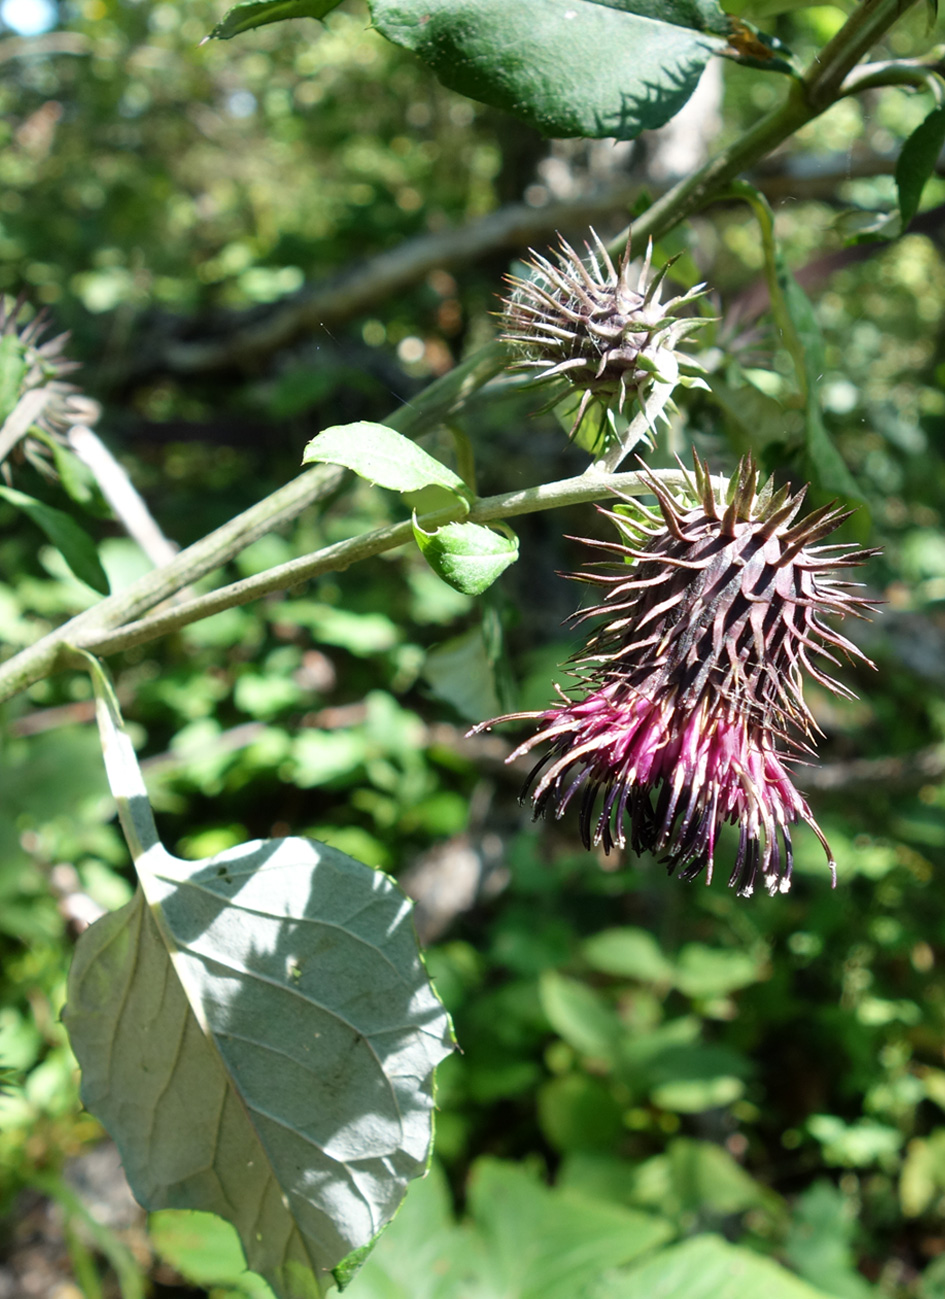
point(819, 88)
point(341, 555)
point(432, 407)
point(787, 330)
point(902, 72)
point(829, 69)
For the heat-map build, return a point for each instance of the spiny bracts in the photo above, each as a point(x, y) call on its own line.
point(600, 327)
point(691, 699)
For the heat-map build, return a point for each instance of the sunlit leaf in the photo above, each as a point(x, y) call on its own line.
point(706, 1267)
point(545, 61)
point(257, 1033)
point(382, 456)
point(545, 1245)
point(466, 555)
point(705, 972)
point(522, 1240)
point(630, 952)
point(205, 1250)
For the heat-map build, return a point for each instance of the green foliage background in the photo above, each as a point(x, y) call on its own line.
point(769, 1072)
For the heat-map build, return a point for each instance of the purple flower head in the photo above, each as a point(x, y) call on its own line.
point(600, 327)
point(692, 690)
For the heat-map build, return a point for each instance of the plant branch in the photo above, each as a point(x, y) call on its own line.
point(784, 324)
point(341, 555)
point(430, 408)
point(823, 81)
point(818, 89)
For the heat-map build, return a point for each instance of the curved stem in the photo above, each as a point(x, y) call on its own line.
point(828, 70)
point(903, 72)
point(787, 329)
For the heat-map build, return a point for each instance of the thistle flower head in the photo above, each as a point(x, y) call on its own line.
point(691, 702)
point(600, 327)
point(30, 363)
point(35, 400)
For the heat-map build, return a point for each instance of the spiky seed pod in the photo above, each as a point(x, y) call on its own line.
point(32, 363)
point(601, 327)
point(691, 702)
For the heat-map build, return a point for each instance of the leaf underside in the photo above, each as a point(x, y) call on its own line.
point(260, 1044)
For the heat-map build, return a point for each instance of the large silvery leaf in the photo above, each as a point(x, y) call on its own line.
point(569, 67)
point(257, 1033)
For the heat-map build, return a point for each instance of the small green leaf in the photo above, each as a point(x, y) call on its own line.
point(715, 971)
point(581, 1016)
point(382, 456)
point(75, 546)
point(257, 13)
point(578, 1112)
point(77, 479)
point(857, 226)
point(466, 555)
point(542, 61)
point(917, 161)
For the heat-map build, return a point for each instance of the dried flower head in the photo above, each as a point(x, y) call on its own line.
point(692, 702)
point(600, 327)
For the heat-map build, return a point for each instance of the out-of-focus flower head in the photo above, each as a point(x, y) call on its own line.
point(34, 396)
point(690, 704)
point(604, 330)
